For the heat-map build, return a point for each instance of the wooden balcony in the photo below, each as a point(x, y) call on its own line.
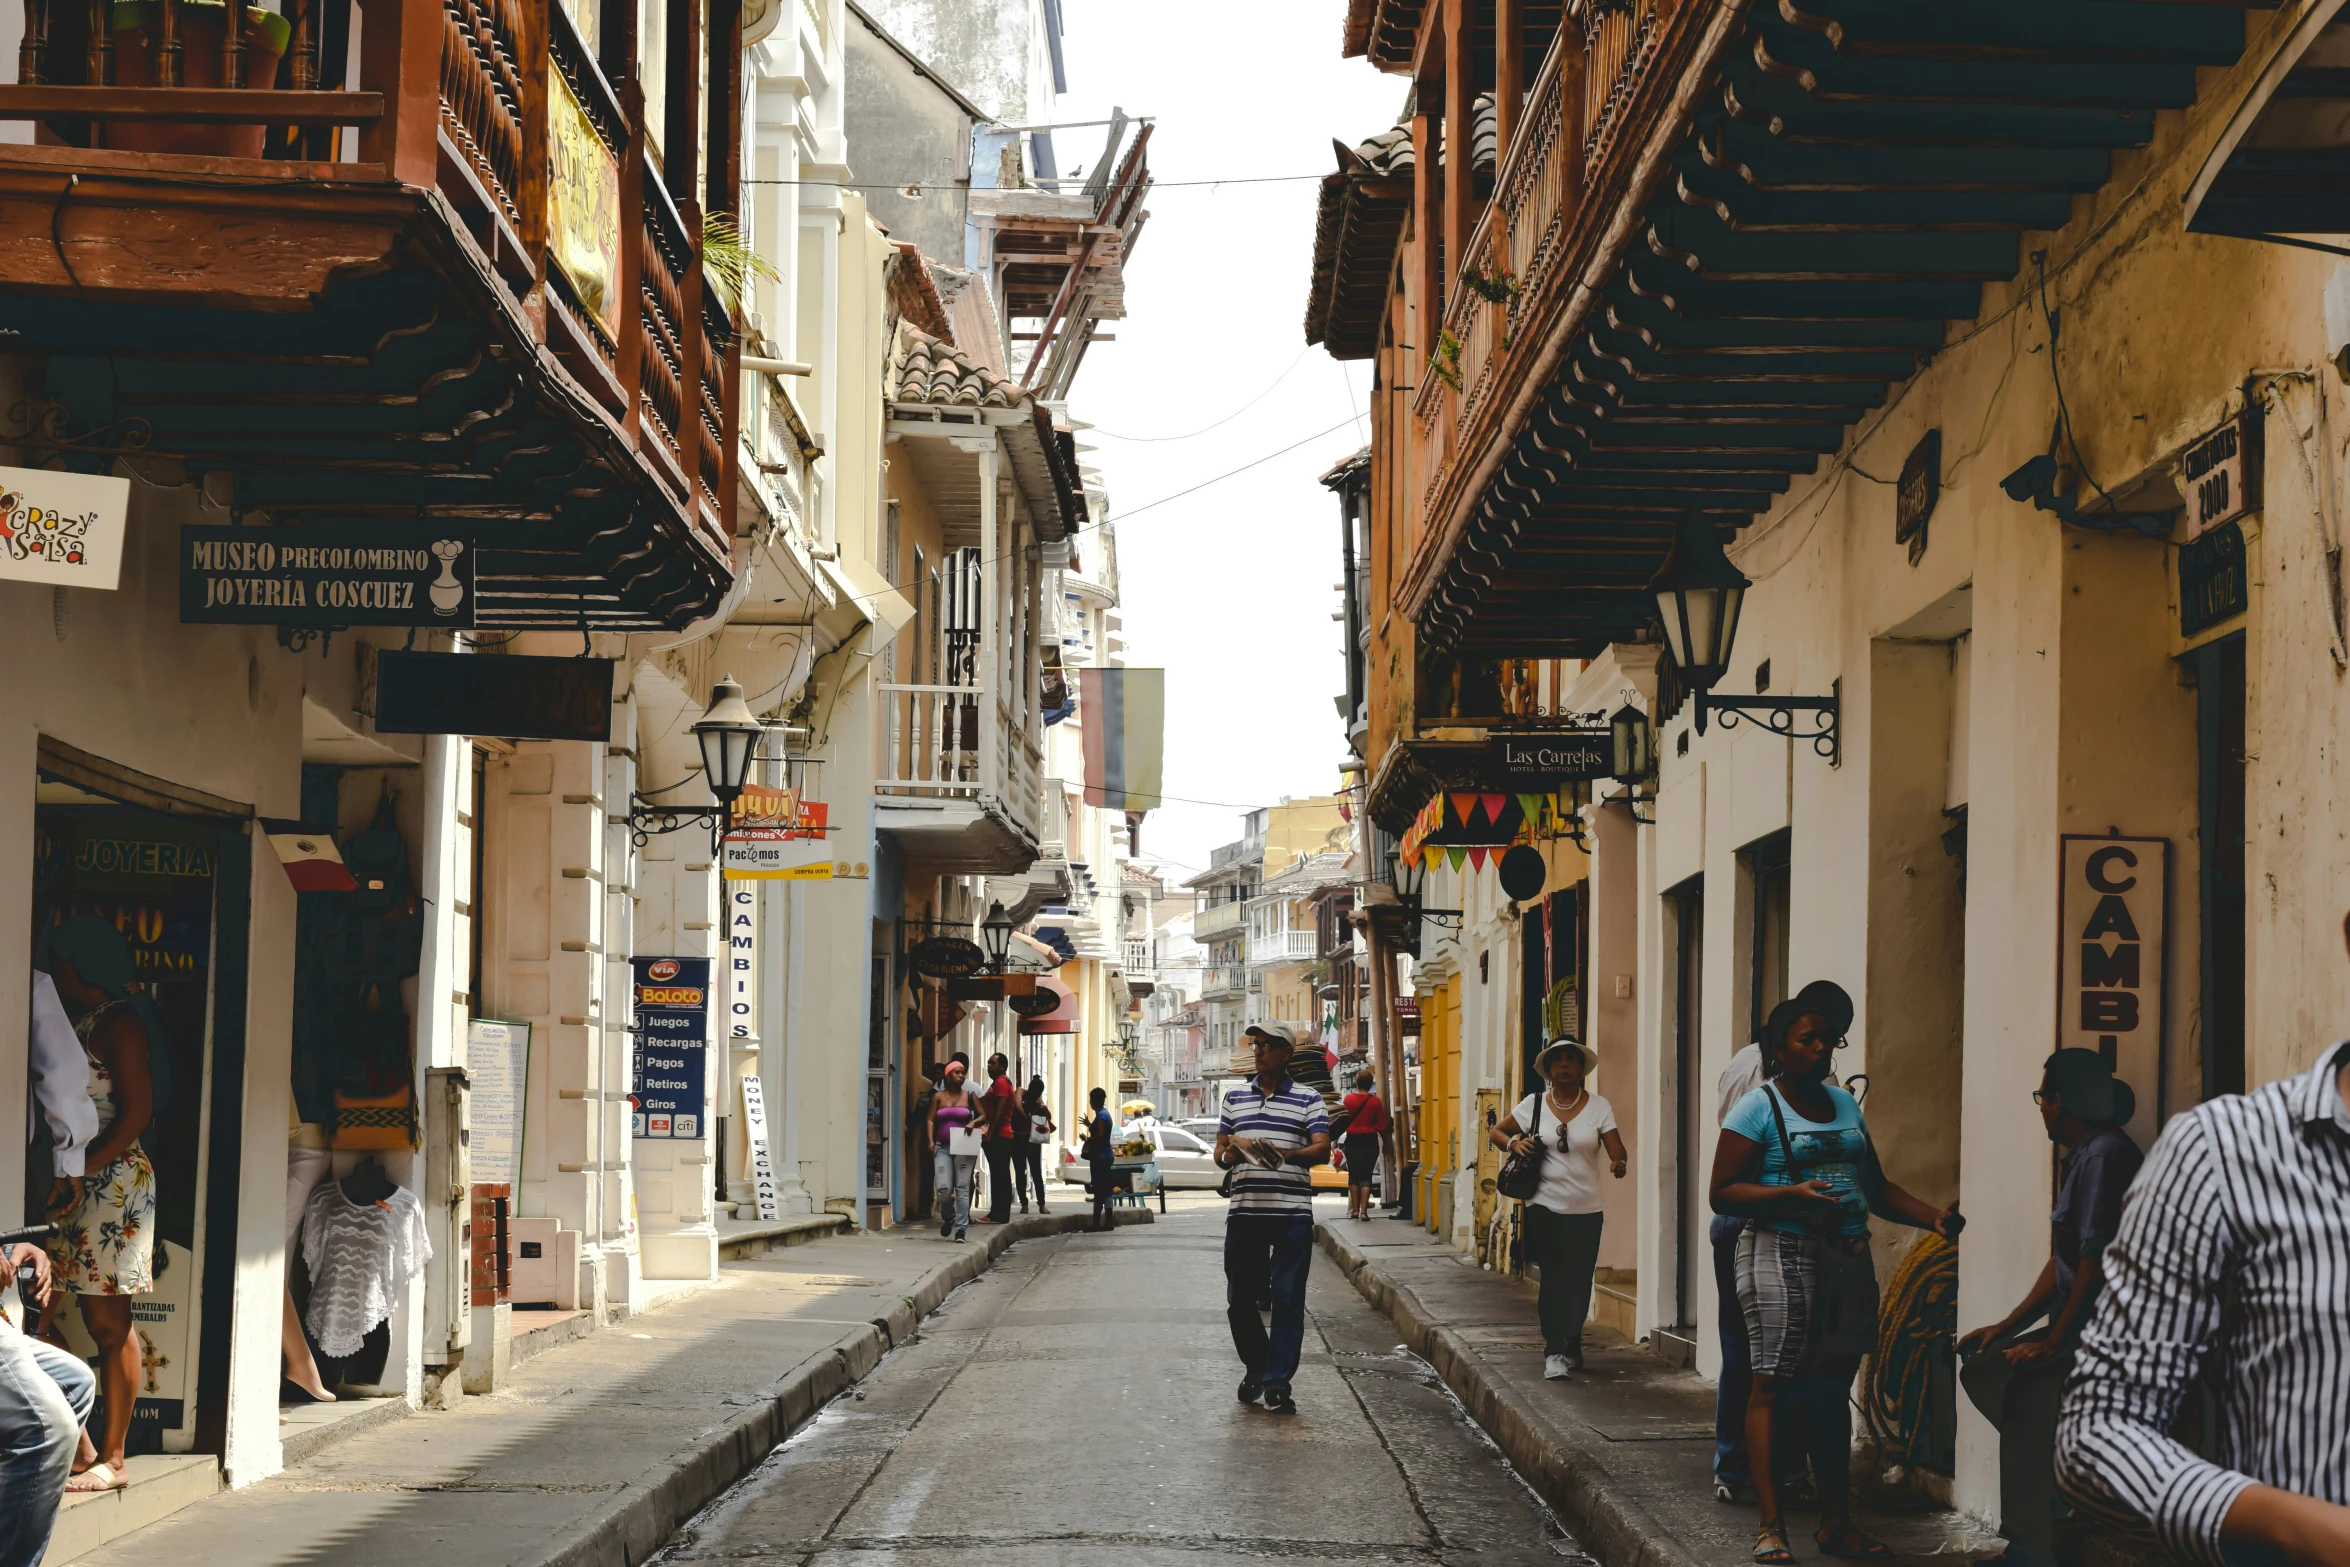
point(433, 270)
point(1718, 237)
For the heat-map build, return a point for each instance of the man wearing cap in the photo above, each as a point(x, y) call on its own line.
point(2015, 1377)
point(1273, 1131)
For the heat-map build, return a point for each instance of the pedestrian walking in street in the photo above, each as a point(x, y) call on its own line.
point(1100, 1157)
point(999, 1113)
point(2231, 1271)
point(1362, 1124)
point(104, 1249)
point(2015, 1377)
point(1272, 1133)
point(1732, 1482)
point(1570, 1129)
point(1795, 1157)
point(1029, 1153)
point(954, 1149)
point(46, 1394)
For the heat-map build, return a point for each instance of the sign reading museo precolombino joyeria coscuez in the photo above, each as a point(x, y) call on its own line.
point(672, 1046)
point(64, 529)
point(375, 573)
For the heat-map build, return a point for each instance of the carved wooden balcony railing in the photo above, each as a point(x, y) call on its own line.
point(491, 104)
point(1575, 131)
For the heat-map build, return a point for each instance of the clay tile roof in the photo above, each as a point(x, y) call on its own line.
point(1357, 227)
point(928, 370)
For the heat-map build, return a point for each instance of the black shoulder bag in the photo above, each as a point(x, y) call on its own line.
point(1846, 1328)
point(1521, 1173)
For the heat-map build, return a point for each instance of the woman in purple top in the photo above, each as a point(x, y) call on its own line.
point(953, 1108)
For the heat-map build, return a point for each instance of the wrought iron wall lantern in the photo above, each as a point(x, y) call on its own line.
point(1699, 595)
point(1410, 879)
point(997, 928)
point(730, 739)
point(1634, 740)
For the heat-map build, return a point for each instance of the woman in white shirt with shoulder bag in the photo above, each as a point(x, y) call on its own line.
point(1567, 1128)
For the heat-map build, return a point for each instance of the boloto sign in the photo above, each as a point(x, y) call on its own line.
point(63, 529)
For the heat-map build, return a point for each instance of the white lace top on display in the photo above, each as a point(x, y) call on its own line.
point(361, 1256)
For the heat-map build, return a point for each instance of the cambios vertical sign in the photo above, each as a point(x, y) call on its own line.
point(2112, 910)
point(672, 998)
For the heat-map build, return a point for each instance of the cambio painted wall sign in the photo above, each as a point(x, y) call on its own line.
point(327, 574)
point(2112, 910)
point(2221, 474)
point(506, 696)
point(64, 529)
point(946, 957)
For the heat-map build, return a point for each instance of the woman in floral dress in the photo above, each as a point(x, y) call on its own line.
point(104, 1250)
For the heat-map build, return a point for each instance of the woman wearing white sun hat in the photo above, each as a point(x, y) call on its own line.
point(1573, 1128)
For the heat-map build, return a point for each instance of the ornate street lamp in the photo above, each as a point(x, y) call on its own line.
point(729, 737)
point(1699, 595)
point(1634, 745)
point(997, 928)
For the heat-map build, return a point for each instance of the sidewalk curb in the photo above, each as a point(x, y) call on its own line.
point(1573, 1476)
point(636, 1519)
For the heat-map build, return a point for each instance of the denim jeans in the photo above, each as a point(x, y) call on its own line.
point(1267, 1255)
point(45, 1395)
point(1730, 1394)
point(952, 1173)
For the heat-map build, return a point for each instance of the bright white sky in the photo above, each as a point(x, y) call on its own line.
point(1230, 589)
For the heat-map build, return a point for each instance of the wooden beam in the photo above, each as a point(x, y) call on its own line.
point(1460, 152)
point(1509, 73)
point(191, 105)
point(400, 61)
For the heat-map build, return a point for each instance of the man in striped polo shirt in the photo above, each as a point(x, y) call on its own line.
point(1273, 1132)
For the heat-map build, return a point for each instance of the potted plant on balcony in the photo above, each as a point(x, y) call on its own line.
point(137, 51)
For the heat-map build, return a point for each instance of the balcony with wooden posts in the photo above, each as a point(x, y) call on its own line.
point(409, 258)
point(1716, 237)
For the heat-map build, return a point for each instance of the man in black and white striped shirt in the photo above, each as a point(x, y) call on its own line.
point(2234, 1252)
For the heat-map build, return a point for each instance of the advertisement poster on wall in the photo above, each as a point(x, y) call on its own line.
point(151, 879)
point(672, 1047)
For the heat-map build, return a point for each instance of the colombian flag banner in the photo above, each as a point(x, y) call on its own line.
point(1124, 715)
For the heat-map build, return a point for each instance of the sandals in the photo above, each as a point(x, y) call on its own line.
point(1770, 1544)
point(98, 1477)
point(1850, 1543)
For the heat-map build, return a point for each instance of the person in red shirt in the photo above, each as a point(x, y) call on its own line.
point(1007, 1128)
point(1367, 1126)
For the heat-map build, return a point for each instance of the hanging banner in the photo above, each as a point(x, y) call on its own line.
point(763, 1193)
point(64, 529)
point(583, 205)
point(2111, 913)
point(328, 574)
point(1124, 716)
point(672, 1047)
point(742, 962)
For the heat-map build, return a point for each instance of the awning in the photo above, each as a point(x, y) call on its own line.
point(1062, 1019)
point(2281, 169)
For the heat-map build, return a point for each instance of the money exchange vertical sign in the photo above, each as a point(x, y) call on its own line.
point(2110, 935)
point(672, 1047)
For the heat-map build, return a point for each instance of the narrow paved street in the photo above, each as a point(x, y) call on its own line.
point(1075, 1404)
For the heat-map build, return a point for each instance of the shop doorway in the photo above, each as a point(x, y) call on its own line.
point(169, 872)
point(880, 1132)
point(2219, 735)
point(1685, 932)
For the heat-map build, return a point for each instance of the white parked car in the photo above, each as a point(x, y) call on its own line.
point(1185, 1162)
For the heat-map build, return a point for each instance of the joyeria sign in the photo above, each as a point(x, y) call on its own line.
point(376, 573)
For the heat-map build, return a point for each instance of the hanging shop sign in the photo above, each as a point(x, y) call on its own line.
point(1914, 495)
point(2213, 582)
point(760, 806)
point(373, 573)
point(507, 697)
point(583, 204)
point(497, 1065)
point(1524, 762)
point(2222, 474)
point(2110, 931)
point(64, 529)
point(773, 854)
point(672, 1047)
point(742, 961)
point(946, 957)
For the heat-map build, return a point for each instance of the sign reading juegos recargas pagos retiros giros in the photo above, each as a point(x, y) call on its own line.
point(63, 529)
